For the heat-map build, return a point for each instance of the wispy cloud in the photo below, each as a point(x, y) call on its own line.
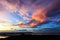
point(38, 10)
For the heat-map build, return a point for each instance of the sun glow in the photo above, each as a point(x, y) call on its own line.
point(4, 25)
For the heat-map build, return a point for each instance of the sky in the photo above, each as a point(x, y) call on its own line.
point(31, 13)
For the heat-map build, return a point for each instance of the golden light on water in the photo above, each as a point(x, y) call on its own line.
point(3, 36)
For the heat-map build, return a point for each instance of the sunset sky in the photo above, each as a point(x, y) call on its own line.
point(30, 13)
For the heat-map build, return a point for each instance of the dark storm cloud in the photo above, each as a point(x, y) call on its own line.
point(53, 13)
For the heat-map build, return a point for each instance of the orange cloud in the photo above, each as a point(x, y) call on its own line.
point(39, 15)
point(32, 24)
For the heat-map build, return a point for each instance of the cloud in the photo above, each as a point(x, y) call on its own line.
point(42, 11)
point(10, 4)
point(38, 10)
